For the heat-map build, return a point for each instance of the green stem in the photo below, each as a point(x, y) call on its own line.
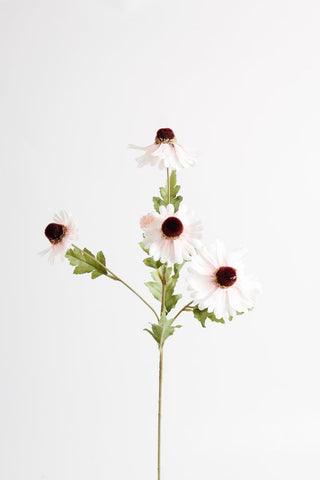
point(168, 185)
point(159, 409)
point(115, 277)
point(163, 310)
point(185, 308)
point(164, 286)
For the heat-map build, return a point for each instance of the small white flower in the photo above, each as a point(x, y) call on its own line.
point(165, 152)
point(173, 237)
point(217, 282)
point(60, 234)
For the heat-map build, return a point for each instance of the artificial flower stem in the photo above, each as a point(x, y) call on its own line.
point(159, 409)
point(163, 310)
point(115, 277)
point(164, 286)
point(184, 309)
point(168, 185)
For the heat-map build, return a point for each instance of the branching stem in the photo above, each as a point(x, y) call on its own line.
point(184, 309)
point(110, 274)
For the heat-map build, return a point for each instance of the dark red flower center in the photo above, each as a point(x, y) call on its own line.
point(54, 232)
point(172, 227)
point(226, 276)
point(165, 135)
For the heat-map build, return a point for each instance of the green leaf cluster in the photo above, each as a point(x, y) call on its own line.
point(86, 262)
point(168, 276)
point(168, 194)
point(163, 273)
point(162, 330)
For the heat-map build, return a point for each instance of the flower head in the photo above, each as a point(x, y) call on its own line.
point(165, 152)
point(217, 282)
point(172, 237)
point(60, 234)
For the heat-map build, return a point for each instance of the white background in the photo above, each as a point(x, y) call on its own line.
point(238, 81)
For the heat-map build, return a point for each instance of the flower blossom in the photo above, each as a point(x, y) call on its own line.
point(165, 152)
point(60, 234)
point(217, 282)
point(173, 237)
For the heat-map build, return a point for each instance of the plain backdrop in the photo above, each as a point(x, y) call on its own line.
point(238, 81)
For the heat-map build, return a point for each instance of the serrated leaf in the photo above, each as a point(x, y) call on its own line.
point(84, 261)
point(171, 301)
point(202, 316)
point(162, 330)
point(168, 195)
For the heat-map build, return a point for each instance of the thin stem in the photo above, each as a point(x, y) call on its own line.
point(163, 310)
point(168, 185)
point(185, 308)
point(115, 277)
point(164, 286)
point(159, 409)
point(136, 293)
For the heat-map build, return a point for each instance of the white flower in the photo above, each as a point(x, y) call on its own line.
point(173, 237)
point(217, 282)
point(165, 152)
point(60, 234)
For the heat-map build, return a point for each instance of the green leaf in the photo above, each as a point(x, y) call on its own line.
point(157, 202)
point(202, 316)
point(101, 258)
point(163, 193)
point(83, 268)
point(176, 203)
point(84, 261)
point(150, 262)
point(162, 330)
point(142, 245)
point(155, 289)
point(168, 195)
point(96, 274)
point(171, 299)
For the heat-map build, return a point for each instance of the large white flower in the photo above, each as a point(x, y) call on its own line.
point(172, 237)
point(217, 282)
point(165, 152)
point(60, 234)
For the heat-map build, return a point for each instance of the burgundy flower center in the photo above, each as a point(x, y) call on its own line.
point(55, 232)
point(165, 135)
point(172, 227)
point(226, 276)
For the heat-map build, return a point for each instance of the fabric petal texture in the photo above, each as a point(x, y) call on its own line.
point(173, 237)
point(236, 292)
point(165, 152)
point(60, 243)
